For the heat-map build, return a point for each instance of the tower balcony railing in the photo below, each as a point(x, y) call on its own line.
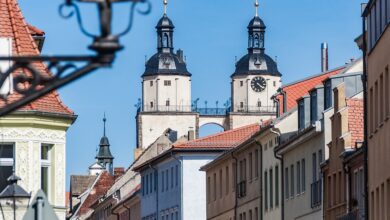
point(212, 111)
point(167, 108)
point(255, 109)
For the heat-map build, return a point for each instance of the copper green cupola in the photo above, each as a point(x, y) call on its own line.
point(104, 156)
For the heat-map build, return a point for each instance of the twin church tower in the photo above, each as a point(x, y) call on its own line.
point(166, 88)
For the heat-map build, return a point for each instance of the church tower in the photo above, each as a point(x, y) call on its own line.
point(104, 156)
point(166, 90)
point(255, 79)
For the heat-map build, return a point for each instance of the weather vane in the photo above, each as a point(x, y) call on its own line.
point(256, 7)
point(165, 6)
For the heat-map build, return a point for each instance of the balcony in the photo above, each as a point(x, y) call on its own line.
point(255, 109)
point(166, 108)
point(316, 193)
point(241, 189)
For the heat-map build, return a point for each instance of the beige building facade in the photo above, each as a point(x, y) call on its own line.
point(377, 51)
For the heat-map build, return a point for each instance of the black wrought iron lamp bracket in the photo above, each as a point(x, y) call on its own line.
point(31, 83)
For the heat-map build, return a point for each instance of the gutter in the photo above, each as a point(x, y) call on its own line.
point(261, 178)
point(365, 146)
point(235, 186)
point(181, 183)
point(280, 158)
point(156, 184)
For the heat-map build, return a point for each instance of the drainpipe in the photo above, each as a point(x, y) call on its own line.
point(365, 146)
point(181, 183)
point(261, 179)
point(235, 185)
point(280, 158)
point(156, 183)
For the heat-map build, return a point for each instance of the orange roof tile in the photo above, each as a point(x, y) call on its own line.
point(14, 26)
point(298, 89)
point(226, 139)
point(356, 120)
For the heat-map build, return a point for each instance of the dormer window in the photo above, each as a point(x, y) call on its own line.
point(301, 114)
point(313, 107)
point(328, 94)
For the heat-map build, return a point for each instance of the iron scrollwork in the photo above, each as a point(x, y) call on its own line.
point(29, 73)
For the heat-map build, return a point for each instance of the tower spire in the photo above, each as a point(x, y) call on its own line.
point(165, 2)
point(257, 8)
point(104, 124)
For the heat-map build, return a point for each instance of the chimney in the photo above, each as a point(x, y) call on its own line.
point(324, 57)
point(118, 172)
point(191, 135)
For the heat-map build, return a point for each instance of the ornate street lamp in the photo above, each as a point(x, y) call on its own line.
point(64, 69)
point(14, 192)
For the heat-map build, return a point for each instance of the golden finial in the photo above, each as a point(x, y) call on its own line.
point(165, 6)
point(257, 8)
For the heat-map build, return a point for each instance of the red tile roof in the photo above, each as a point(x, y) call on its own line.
point(356, 120)
point(98, 190)
point(226, 139)
point(13, 25)
point(298, 89)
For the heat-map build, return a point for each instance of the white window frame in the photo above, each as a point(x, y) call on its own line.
point(48, 164)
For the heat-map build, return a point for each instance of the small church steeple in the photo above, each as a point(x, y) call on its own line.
point(256, 30)
point(104, 156)
point(165, 32)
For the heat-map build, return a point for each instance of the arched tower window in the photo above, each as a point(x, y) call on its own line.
point(256, 41)
point(165, 40)
point(250, 42)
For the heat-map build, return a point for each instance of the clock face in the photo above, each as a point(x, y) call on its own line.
point(258, 84)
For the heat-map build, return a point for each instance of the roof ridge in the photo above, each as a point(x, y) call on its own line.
point(217, 134)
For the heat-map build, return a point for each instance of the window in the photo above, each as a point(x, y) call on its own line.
point(314, 162)
point(215, 187)
point(167, 103)
point(250, 214)
point(6, 163)
point(151, 104)
point(167, 179)
point(274, 83)
point(177, 175)
point(250, 166)
point(241, 83)
point(328, 94)
point(303, 174)
point(259, 104)
point(208, 189)
point(151, 83)
point(286, 183)
point(143, 185)
point(171, 177)
point(234, 175)
point(371, 112)
point(241, 105)
point(256, 163)
point(147, 184)
point(162, 181)
point(167, 82)
point(45, 168)
point(277, 186)
point(387, 82)
point(220, 183)
point(298, 177)
point(227, 180)
point(292, 180)
point(376, 113)
point(301, 114)
point(313, 107)
point(383, 98)
point(266, 190)
point(271, 189)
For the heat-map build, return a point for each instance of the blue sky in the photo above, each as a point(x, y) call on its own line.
point(211, 33)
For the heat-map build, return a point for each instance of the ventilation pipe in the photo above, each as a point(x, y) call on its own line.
point(324, 57)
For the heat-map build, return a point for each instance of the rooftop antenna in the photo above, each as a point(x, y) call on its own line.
point(257, 8)
point(165, 2)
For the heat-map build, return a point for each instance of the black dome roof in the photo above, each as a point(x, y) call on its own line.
point(256, 64)
point(165, 22)
point(256, 22)
point(166, 64)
